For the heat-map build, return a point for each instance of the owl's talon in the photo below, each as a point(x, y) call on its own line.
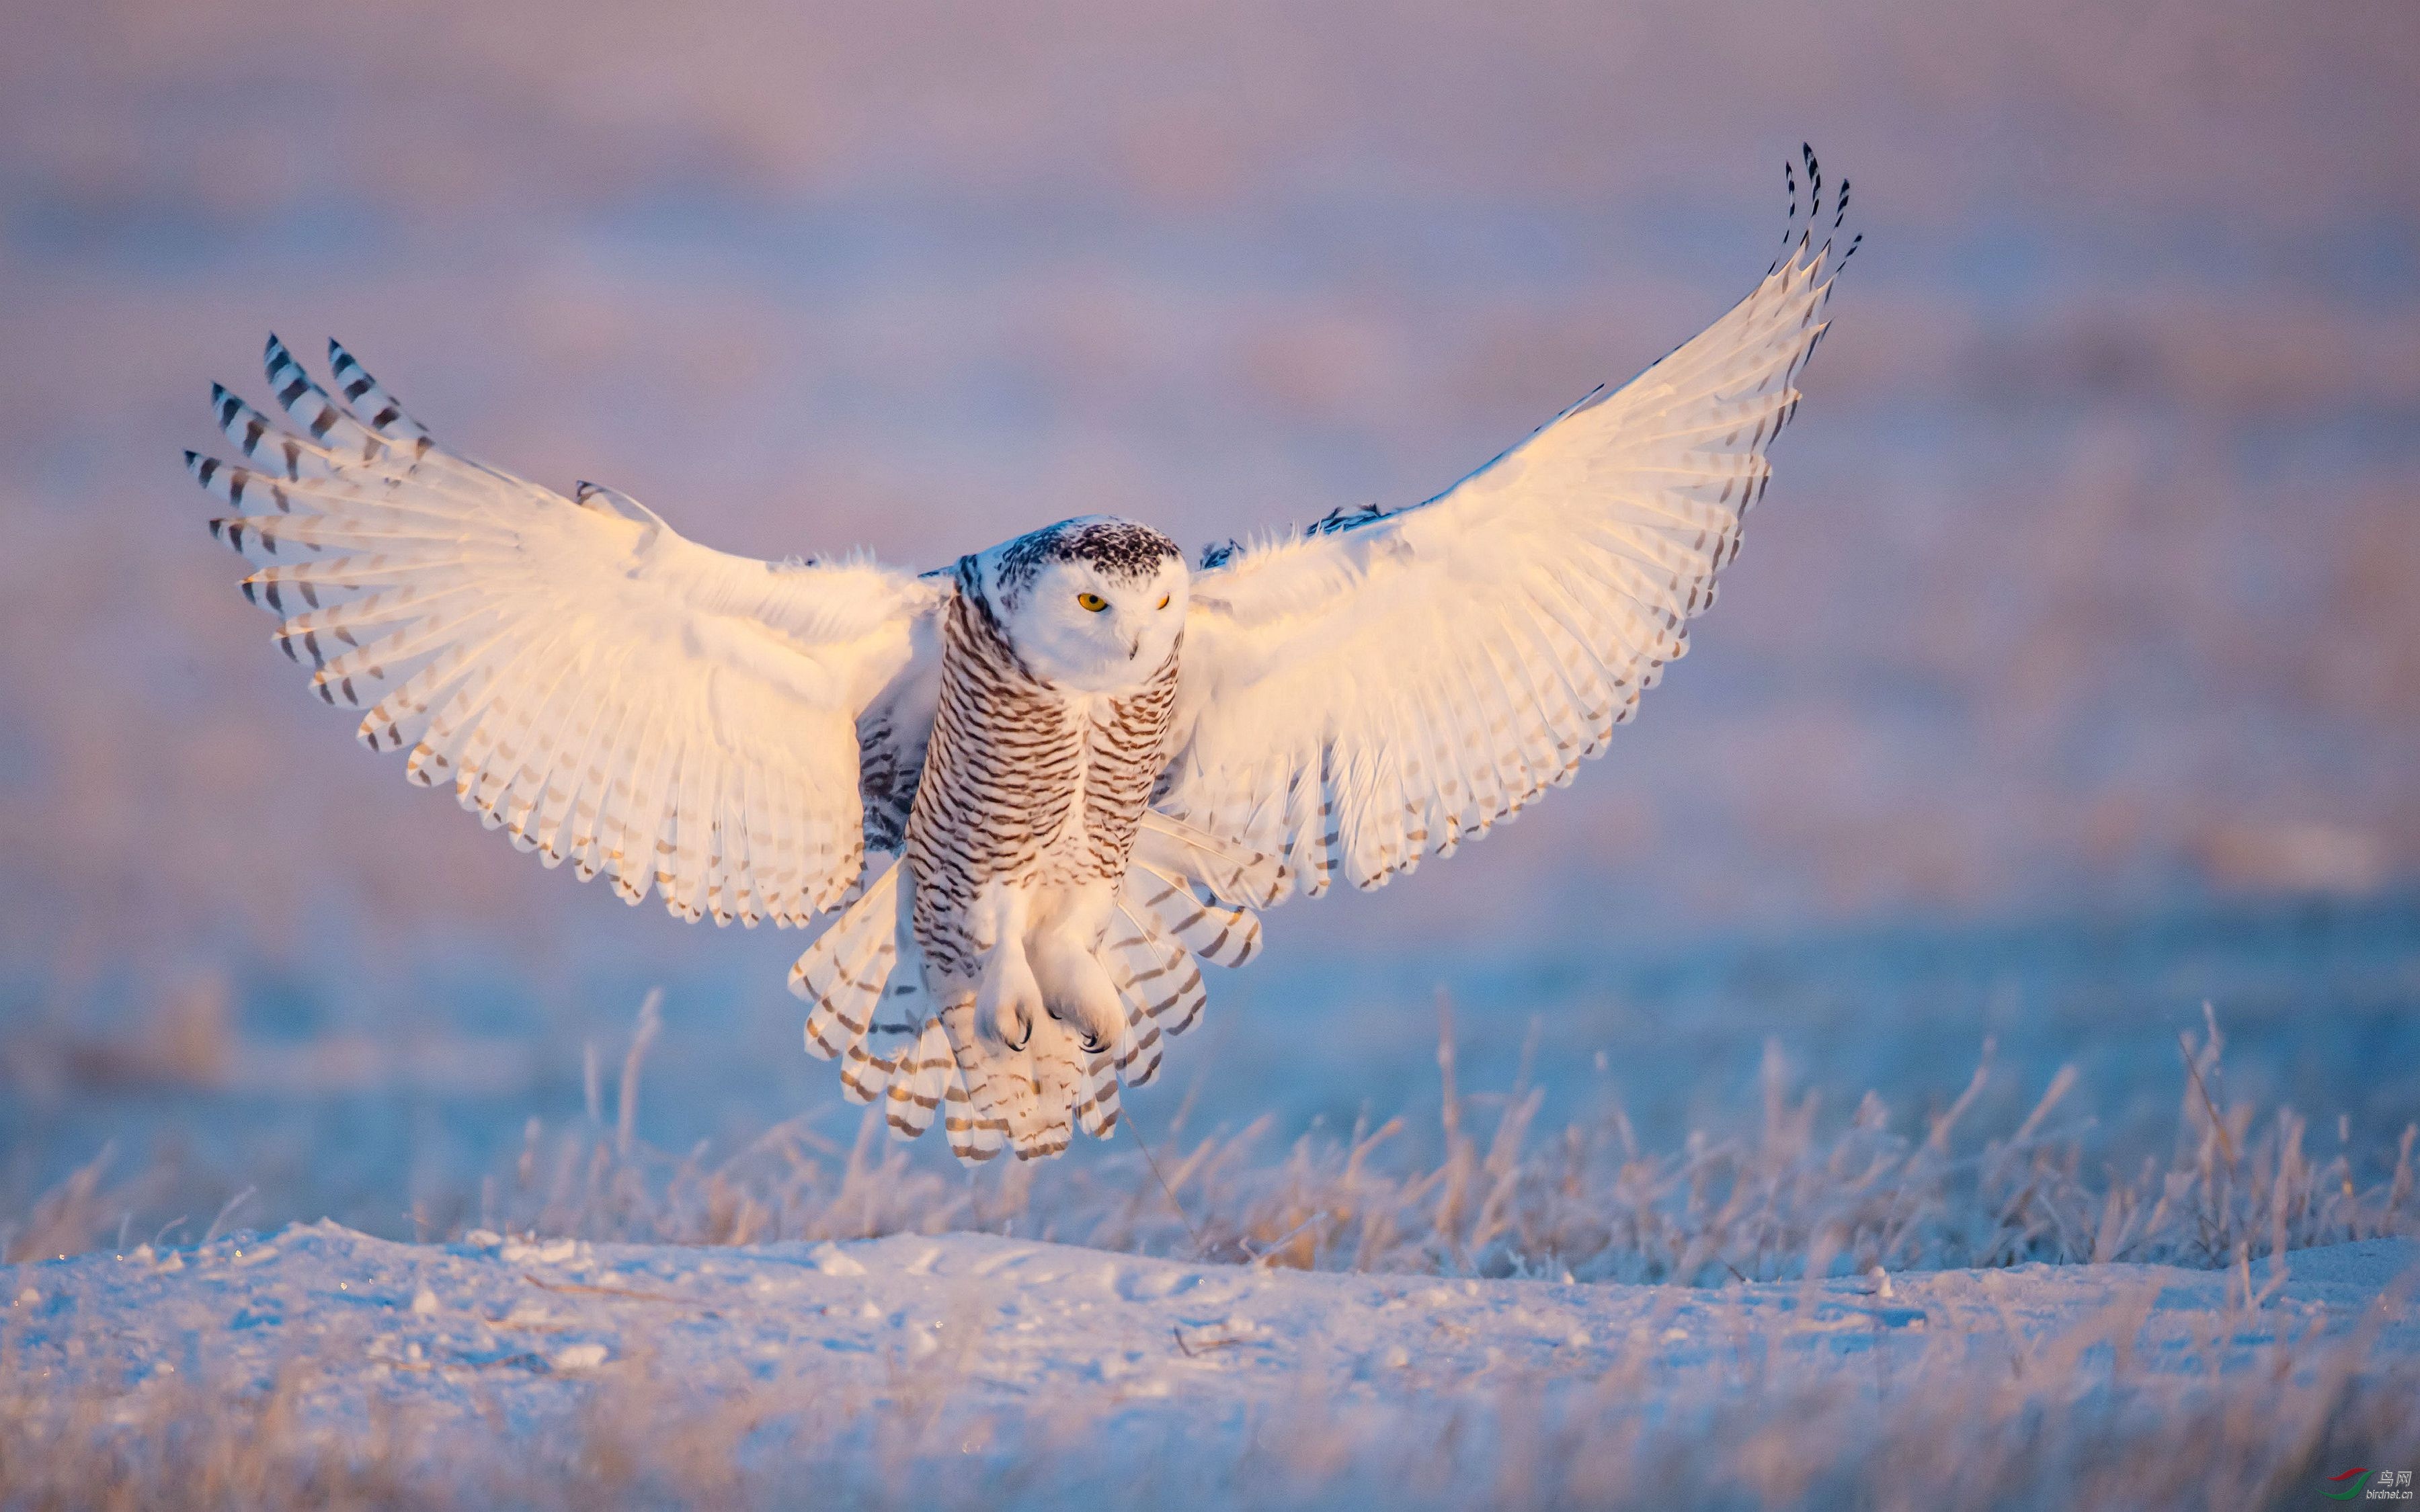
point(1090, 1039)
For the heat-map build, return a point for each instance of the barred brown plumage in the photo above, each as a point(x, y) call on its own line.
point(1026, 785)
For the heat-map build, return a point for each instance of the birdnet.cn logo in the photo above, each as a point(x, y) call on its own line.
point(2372, 1485)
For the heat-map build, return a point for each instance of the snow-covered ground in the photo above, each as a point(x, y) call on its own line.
point(1002, 1370)
point(535, 1326)
point(1437, 1353)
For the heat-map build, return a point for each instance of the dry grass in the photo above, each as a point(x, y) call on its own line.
point(1503, 1199)
point(1476, 1196)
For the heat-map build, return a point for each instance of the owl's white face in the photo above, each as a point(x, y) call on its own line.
point(1093, 604)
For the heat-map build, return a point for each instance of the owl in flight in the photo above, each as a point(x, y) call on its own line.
point(1094, 761)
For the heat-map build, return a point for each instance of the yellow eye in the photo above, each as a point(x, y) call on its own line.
point(1163, 601)
point(1092, 601)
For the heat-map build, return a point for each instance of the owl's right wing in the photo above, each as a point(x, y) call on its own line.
point(608, 692)
point(1389, 685)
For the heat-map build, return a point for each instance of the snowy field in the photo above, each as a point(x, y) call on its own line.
point(1796, 1241)
point(323, 1366)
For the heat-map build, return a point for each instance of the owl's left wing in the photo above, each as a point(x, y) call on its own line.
point(724, 731)
point(1389, 685)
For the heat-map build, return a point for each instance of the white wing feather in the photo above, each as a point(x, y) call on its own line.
point(605, 691)
point(1391, 685)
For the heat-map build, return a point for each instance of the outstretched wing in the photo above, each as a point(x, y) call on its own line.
point(608, 693)
point(1388, 685)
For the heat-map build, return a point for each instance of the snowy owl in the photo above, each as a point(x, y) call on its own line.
point(1094, 761)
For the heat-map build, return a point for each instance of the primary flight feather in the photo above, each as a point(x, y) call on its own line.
point(1093, 764)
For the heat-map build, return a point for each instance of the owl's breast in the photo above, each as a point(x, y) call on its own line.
point(1125, 742)
point(1023, 781)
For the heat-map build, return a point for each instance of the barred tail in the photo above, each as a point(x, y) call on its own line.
point(1186, 894)
point(843, 975)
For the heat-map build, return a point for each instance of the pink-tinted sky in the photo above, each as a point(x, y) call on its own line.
point(2089, 571)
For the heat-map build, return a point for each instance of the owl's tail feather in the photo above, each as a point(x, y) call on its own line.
point(975, 1133)
point(1098, 1114)
point(1200, 890)
point(1029, 1101)
point(921, 1078)
point(865, 980)
point(1186, 893)
point(891, 1054)
point(842, 976)
point(1158, 981)
point(1223, 868)
point(1025, 1099)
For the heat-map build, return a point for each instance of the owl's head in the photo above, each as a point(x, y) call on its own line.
point(1093, 604)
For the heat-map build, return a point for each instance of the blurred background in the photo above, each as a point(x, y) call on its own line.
point(2070, 675)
